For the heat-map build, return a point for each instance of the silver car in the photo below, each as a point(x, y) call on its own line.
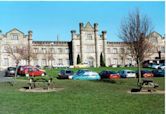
point(127, 74)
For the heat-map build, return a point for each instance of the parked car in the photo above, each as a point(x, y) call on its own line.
point(155, 66)
point(86, 75)
point(10, 72)
point(162, 66)
point(30, 71)
point(64, 74)
point(106, 74)
point(127, 74)
point(158, 72)
point(145, 74)
point(34, 72)
point(20, 69)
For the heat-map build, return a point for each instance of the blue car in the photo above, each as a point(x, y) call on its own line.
point(86, 75)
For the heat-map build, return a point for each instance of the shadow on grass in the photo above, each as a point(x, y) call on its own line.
point(110, 81)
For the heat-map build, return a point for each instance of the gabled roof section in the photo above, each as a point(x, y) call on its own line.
point(155, 33)
point(14, 29)
point(88, 26)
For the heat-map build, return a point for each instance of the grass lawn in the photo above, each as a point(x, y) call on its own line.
point(81, 97)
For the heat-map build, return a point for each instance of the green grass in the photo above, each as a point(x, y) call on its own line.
point(81, 97)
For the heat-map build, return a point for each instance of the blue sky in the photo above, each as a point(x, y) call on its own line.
point(49, 19)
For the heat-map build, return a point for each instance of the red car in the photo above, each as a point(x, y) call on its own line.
point(109, 74)
point(146, 74)
point(31, 71)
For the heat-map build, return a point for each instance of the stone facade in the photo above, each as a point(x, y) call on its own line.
point(88, 44)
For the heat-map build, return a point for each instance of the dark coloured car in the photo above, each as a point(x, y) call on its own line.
point(159, 73)
point(145, 74)
point(109, 75)
point(10, 72)
point(64, 74)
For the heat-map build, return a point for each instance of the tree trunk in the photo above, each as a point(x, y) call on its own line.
point(139, 72)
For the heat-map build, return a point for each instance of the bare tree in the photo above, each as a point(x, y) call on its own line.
point(27, 54)
point(19, 52)
point(14, 52)
point(134, 31)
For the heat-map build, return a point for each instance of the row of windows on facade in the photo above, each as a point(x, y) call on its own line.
point(43, 62)
point(91, 49)
point(51, 50)
point(117, 61)
point(15, 37)
point(42, 50)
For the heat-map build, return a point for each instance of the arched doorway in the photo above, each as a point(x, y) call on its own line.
point(90, 61)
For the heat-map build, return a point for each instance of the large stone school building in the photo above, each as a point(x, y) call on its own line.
point(88, 43)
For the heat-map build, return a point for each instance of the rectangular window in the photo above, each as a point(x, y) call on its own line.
point(44, 50)
point(67, 61)
point(60, 61)
point(67, 50)
point(14, 37)
point(162, 49)
point(89, 37)
point(52, 50)
point(122, 50)
point(43, 62)
point(6, 62)
point(108, 50)
point(36, 50)
point(36, 62)
point(60, 50)
point(115, 50)
point(115, 61)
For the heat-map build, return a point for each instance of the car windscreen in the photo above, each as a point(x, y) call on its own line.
point(111, 72)
point(68, 72)
point(130, 72)
point(11, 68)
point(146, 71)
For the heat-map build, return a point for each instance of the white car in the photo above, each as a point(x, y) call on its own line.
point(155, 66)
point(127, 74)
point(162, 66)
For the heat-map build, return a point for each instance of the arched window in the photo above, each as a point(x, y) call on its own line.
point(89, 37)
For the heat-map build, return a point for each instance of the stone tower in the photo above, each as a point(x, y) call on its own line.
point(104, 46)
point(74, 56)
point(96, 44)
point(88, 44)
